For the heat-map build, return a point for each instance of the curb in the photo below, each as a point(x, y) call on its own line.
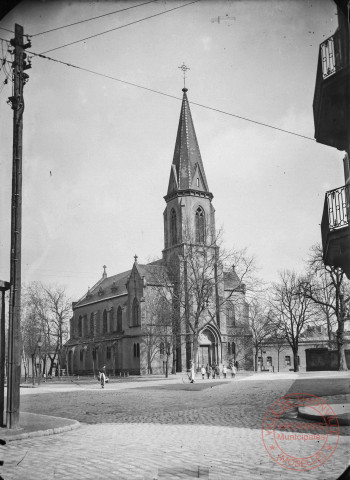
point(343, 419)
point(41, 433)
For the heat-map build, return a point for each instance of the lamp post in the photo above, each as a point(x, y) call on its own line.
point(40, 343)
point(3, 287)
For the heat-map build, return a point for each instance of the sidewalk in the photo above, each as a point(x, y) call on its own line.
point(268, 376)
point(34, 425)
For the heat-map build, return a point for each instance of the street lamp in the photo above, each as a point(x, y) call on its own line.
point(39, 344)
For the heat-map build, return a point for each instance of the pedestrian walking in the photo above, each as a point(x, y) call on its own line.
point(213, 370)
point(217, 370)
point(208, 370)
point(203, 371)
point(103, 376)
point(224, 371)
point(233, 371)
point(192, 373)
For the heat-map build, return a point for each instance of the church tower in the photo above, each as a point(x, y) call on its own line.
point(189, 216)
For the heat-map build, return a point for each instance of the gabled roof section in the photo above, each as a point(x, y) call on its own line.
point(232, 281)
point(155, 274)
point(105, 288)
point(187, 158)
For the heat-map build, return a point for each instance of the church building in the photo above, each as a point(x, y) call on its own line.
point(160, 316)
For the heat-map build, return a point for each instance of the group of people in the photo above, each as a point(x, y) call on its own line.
point(213, 371)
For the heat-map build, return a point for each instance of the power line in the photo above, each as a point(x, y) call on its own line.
point(121, 26)
point(170, 96)
point(92, 18)
point(7, 30)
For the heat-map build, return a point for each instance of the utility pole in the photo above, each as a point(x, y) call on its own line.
point(14, 334)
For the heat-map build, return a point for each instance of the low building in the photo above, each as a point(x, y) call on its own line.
point(315, 352)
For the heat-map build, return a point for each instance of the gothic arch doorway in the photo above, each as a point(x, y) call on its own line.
point(209, 350)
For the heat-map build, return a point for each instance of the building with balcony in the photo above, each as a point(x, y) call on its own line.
point(331, 108)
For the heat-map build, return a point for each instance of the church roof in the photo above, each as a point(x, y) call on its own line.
point(105, 288)
point(154, 273)
point(187, 170)
point(232, 281)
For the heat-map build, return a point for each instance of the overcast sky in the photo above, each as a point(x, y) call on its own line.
point(109, 145)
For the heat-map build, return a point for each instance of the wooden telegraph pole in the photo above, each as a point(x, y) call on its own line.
point(14, 334)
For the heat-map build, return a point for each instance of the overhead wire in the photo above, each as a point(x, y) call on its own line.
point(7, 30)
point(40, 55)
point(121, 26)
point(92, 18)
point(93, 72)
point(4, 61)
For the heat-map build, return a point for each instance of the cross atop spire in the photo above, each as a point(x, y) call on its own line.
point(184, 68)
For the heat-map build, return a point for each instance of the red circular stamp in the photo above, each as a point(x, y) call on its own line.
point(297, 443)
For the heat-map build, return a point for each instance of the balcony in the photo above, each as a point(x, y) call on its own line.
point(331, 99)
point(335, 229)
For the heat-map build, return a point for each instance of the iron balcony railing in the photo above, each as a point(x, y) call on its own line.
point(333, 54)
point(336, 212)
point(338, 206)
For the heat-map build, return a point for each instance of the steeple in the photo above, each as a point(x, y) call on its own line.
point(187, 171)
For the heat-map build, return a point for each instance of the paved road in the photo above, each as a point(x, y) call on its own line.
point(165, 429)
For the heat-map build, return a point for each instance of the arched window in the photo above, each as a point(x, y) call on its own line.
point(200, 225)
point(97, 322)
point(111, 320)
point(86, 326)
point(119, 320)
point(104, 321)
point(92, 329)
point(161, 348)
point(173, 227)
point(233, 348)
point(229, 348)
point(80, 326)
point(134, 349)
point(230, 314)
point(138, 350)
point(135, 312)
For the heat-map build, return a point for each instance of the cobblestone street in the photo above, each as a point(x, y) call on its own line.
point(163, 429)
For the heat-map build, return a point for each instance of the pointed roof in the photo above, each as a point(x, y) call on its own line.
point(187, 171)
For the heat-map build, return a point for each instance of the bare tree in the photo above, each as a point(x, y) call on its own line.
point(51, 309)
point(278, 340)
point(261, 326)
point(157, 330)
point(292, 310)
point(329, 289)
point(194, 284)
point(31, 332)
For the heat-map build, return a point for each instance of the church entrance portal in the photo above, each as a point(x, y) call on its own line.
point(209, 351)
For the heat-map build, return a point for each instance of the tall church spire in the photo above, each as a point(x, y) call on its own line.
point(187, 172)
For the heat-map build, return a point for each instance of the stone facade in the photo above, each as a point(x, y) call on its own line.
point(115, 323)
